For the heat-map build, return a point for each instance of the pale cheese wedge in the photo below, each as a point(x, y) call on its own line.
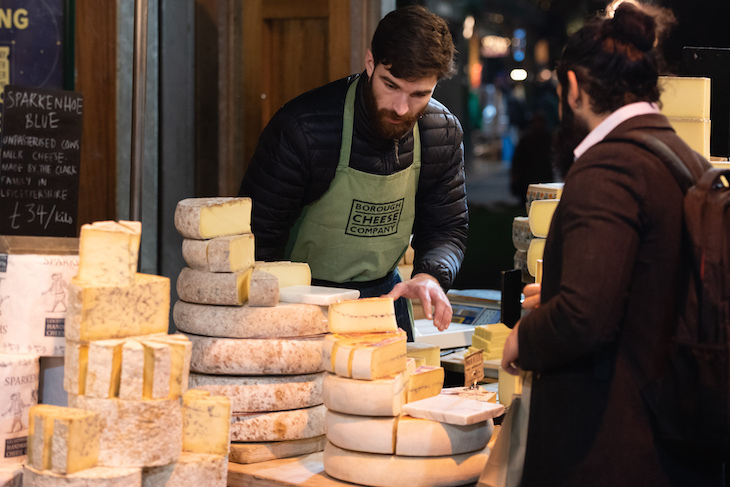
point(109, 253)
point(431, 354)
point(206, 422)
point(365, 315)
point(385, 397)
point(685, 97)
point(426, 381)
point(695, 132)
point(541, 214)
point(367, 356)
point(205, 218)
point(105, 368)
point(287, 273)
point(535, 253)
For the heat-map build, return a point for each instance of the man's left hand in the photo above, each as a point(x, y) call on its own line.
point(428, 290)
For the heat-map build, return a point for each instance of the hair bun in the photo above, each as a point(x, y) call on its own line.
point(632, 25)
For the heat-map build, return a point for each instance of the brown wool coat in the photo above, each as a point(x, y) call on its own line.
point(611, 266)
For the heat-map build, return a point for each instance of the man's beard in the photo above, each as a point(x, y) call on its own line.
point(571, 132)
point(379, 118)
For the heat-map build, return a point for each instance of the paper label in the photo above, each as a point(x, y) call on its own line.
point(473, 368)
point(33, 294)
point(18, 392)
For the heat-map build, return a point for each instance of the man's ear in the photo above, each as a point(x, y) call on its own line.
point(369, 63)
point(574, 91)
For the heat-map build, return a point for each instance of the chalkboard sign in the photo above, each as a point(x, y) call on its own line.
point(39, 161)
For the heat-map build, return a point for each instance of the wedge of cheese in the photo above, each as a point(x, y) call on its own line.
point(90, 477)
point(98, 312)
point(365, 315)
point(534, 253)
point(508, 386)
point(65, 440)
point(131, 383)
point(288, 273)
point(685, 97)
point(541, 215)
point(543, 191)
point(205, 218)
point(405, 435)
point(282, 320)
point(218, 288)
point(236, 356)
point(388, 470)
point(135, 433)
point(385, 397)
point(109, 252)
point(181, 350)
point(206, 422)
point(264, 393)
point(431, 354)
point(263, 451)
point(157, 370)
point(426, 381)
point(104, 368)
point(279, 425)
point(190, 470)
point(694, 132)
point(76, 364)
point(367, 356)
point(234, 253)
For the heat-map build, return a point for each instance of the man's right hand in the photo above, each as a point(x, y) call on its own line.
point(532, 296)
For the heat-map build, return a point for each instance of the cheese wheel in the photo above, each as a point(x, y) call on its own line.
point(385, 397)
point(395, 471)
point(241, 356)
point(283, 320)
point(405, 435)
point(541, 215)
point(190, 470)
point(365, 356)
point(265, 393)
point(91, 477)
point(135, 433)
point(204, 218)
point(246, 453)
point(280, 425)
point(220, 288)
point(521, 233)
point(234, 253)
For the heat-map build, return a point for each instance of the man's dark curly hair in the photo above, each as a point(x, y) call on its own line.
point(414, 43)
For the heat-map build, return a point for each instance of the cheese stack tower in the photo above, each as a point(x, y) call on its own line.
point(686, 103)
point(529, 233)
point(264, 355)
point(123, 371)
point(489, 338)
point(369, 380)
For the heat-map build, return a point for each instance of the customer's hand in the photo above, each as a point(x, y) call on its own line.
point(511, 352)
point(532, 296)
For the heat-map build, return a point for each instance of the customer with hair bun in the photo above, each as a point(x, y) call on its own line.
point(612, 268)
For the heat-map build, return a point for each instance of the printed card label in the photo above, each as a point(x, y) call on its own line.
point(374, 219)
point(16, 447)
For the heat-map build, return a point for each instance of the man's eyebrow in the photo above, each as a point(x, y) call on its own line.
point(390, 80)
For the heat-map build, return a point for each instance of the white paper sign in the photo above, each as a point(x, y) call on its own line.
point(18, 392)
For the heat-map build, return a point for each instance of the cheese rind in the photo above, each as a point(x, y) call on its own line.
point(266, 393)
point(246, 453)
point(76, 362)
point(360, 433)
point(385, 397)
point(157, 370)
point(283, 320)
point(234, 253)
point(104, 368)
point(62, 439)
point(236, 356)
point(131, 384)
point(181, 350)
point(190, 470)
point(206, 422)
point(521, 233)
point(365, 315)
point(108, 253)
point(219, 288)
point(205, 218)
point(91, 477)
point(389, 470)
point(425, 438)
point(101, 312)
point(279, 425)
point(365, 356)
point(135, 433)
point(288, 273)
point(541, 215)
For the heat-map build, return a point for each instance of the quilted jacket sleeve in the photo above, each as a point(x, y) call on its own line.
point(440, 229)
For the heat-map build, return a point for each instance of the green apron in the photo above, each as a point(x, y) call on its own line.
point(360, 228)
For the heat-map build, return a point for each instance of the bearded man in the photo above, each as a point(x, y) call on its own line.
point(345, 174)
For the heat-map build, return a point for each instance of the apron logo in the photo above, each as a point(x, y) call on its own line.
point(374, 219)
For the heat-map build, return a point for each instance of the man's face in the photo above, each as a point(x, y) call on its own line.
point(395, 104)
point(572, 130)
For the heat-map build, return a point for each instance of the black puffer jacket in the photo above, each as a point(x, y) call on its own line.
point(297, 155)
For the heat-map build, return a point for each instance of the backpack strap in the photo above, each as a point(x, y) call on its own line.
point(679, 169)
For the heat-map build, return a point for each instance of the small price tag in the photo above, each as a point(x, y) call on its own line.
point(473, 368)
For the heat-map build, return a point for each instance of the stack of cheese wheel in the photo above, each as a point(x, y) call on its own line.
point(529, 233)
point(263, 354)
point(124, 377)
point(489, 338)
point(369, 380)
